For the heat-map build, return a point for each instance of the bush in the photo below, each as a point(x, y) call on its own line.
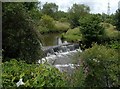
point(61, 26)
point(100, 66)
point(34, 76)
point(91, 30)
point(20, 37)
point(110, 31)
point(117, 19)
point(73, 35)
point(47, 22)
point(43, 29)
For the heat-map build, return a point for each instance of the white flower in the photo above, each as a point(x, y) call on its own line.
point(95, 60)
point(20, 82)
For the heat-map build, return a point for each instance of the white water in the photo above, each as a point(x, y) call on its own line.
point(61, 56)
point(61, 60)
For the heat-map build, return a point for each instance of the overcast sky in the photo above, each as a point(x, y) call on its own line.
point(96, 6)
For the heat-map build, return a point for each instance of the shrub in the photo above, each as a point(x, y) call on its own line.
point(101, 67)
point(110, 31)
point(72, 35)
point(61, 26)
point(34, 76)
point(47, 21)
point(20, 37)
point(91, 29)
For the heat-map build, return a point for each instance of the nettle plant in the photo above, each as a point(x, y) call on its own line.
point(21, 74)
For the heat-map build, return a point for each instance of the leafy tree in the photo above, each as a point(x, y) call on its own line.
point(50, 9)
point(20, 37)
point(77, 11)
point(34, 10)
point(117, 19)
point(99, 67)
point(47, 22)
point(61, 14)
point(91, 29)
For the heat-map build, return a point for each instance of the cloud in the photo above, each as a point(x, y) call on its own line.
point(96, 6)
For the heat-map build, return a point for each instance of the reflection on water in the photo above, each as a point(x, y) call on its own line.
point(50, 39)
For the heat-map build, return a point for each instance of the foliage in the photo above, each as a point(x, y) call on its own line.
point(91, 29)
point(20, 37)
point(101, 67)
point(117, 19)
point(77, 79)
point(50, 9)
point(61, 14)
point(72, 35)
point(47, 22)
point(77, 11)
point(114, 44)
point(50, 26)
point(110, 30)
point(34, 76)
point(61, 26)
point(63, 19)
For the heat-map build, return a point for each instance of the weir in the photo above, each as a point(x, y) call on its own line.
point(60, 48)
point(61, 56)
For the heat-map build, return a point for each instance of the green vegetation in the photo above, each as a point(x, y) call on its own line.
point(91, 30)
point(99, 68)
point(20, 37)
point(47, 24)
point(110, 30)
point(51, 26)
point(72, 35)
point(50, 9)
point(117, 19)
point(33, 76)
point(76, 12)
point(61, 26)
point(24, 22)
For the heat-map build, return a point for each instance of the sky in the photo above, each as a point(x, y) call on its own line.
point(96, 6)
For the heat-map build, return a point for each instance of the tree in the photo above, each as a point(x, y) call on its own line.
point(34, 10)
point(20, 37)
point(117, 19)
point(91, 29)
point(50, 9)
point(99, 67)
point(47, 22)
point(61, 14)
point(77, 11)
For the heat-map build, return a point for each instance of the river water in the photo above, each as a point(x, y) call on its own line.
point(65, 57)
point(50, 39)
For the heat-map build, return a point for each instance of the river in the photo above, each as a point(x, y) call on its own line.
point(50, 39)
point(63, 57)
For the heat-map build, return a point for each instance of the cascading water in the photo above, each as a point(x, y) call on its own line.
point(59, 41)
point(61, 56)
